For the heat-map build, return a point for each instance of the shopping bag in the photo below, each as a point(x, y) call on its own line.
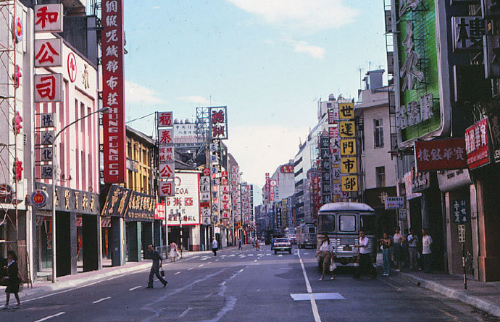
point(162, 272)
point(333, 266)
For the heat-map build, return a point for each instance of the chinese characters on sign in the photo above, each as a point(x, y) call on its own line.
point(113, 121)
point(48, 88)
point(218, 122)
point(440, 154)
point(48, 52)
point(476, 144)
point(49, 18)
point(185, 205)
point(460, 211)
point(468, 33)
point(166, 154)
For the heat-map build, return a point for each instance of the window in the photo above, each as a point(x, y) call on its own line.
point(347, 223)
point(380, 173)
point(378, 133)
point(368, 224)
point(326, 223)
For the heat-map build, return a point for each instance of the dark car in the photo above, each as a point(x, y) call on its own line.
point(282, 245)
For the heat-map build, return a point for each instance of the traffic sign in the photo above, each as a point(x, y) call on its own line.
point(38, 198)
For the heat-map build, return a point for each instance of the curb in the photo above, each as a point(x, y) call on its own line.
point(483, 305)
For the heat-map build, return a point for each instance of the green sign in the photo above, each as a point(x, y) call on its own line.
point(418, 112)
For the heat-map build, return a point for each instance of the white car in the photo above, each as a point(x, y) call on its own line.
point(282, 245)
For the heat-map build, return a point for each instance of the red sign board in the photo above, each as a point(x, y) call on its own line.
point(160, 211)
point(112, 42)
point(476, 144)
point(287, 169)
point(206, 172)
point(440, 154)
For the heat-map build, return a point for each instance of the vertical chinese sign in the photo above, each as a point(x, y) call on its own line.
point(113, 122)
point(166, 156)
point(220, 179)
point(348, 159)
point(48, 87)
point(326, 186)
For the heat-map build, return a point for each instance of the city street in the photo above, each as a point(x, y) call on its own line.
point(244, 285)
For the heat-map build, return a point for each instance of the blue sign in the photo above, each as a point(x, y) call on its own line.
point(460, 211)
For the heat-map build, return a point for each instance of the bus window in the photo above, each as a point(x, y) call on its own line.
point(326, 223)
point(368, 224)
point(347, 223)
point(312, 230)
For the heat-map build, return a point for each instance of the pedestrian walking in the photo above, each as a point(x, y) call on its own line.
point(398, 240)
point(426, 251)
point(326, 253)
point(215, 246)
point(173, 252)
point(12, 279)
point(412, 249)
point(239, 244)
point(385, 245)
point(364, 257)
point(155, 268)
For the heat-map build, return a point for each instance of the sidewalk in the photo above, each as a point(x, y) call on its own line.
point(82, 279)
point(483, 296)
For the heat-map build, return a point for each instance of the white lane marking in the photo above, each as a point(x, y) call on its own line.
point(216, 260)
point(134, 288)
point(255, 260)
point(209, 263)
point(190, 269)
point(177, 273)
point(101, 300)
point(280, 255)
point(112, 278)
point(241, 270)
point(314, 307)
point(50, 317)
point(223, 283)
point(185, 312)
point(201, 265)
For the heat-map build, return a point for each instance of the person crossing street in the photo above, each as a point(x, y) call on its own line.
point(155, 268)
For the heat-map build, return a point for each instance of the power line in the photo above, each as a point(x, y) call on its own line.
point(140, 118)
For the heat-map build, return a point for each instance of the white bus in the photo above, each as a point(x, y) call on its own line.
point(306, 236)
point(342, 221)
point(290, 234)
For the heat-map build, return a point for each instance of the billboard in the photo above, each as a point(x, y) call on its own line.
point(185, 205)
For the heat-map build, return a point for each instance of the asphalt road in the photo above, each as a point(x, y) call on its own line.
point(244, 285)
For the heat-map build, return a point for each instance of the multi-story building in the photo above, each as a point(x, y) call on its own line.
point(377, 166)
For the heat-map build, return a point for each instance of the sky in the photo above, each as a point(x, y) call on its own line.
point(268, 61)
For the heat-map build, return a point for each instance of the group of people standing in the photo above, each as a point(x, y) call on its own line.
point(415, 245)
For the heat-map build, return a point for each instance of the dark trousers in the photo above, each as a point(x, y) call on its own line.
point(426, 261)
point(365, 266)
point(215, 251)
point(155, 271)
point(239, 246)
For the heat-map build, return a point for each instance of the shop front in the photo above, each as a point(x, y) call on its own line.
point(139, 223)
point(77, 231)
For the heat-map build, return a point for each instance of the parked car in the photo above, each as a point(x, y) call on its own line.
point(282, 245)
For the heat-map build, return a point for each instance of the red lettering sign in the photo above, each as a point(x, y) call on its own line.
point(476, 144)
point(112, 94)
point(440, 154)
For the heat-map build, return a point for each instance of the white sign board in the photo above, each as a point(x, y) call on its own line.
point(185, 205)
point(394, 202)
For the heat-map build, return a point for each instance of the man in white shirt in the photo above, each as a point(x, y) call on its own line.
point(426, 251)
point(412, 249)
point(364, 257)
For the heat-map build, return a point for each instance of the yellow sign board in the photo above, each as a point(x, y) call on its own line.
point(347, 129)
point(348, 147)
point(348, 165)
point(346, 111)
point(349, 183)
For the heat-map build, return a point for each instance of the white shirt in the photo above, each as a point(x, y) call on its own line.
point(397, 238)
point(364, 249)
point(325, 247)
point(215, 244)
point(412, 240)
point(426, 244)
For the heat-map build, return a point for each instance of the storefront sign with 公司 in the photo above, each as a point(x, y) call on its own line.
point(477, 144)
point(440, 154)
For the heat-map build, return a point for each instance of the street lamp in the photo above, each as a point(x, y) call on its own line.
point(54, 268)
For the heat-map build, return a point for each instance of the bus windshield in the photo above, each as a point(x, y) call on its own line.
point(326, 223)
point(347, 223)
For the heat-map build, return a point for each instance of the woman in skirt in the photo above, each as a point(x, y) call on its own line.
point(12, 278)
point(173, 251)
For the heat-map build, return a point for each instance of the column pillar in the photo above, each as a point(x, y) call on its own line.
point(117, 242)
